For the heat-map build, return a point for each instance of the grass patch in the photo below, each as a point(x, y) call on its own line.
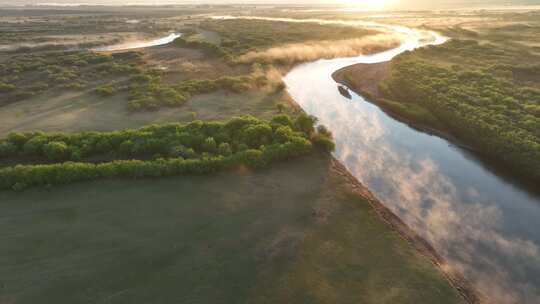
point(235, 237)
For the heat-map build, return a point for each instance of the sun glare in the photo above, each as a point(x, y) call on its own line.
point(368, 4)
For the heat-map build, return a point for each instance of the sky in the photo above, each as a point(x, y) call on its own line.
point(410, 4)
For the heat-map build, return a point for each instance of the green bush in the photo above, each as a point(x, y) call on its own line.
point(323, 142)
point(106, 90)
point(6, 87)
point(224, 149)
point(7, 149)
point(306, 123)
point(56, 150)
point(209, 145)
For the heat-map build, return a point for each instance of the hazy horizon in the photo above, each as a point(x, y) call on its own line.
point(396, 4)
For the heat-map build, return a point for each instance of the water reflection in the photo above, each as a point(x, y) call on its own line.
point(483, 225)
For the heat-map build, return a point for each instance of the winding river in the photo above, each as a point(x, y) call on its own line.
point(483, 224)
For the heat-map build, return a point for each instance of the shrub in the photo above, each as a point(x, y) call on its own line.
point(18, 139)
point(306, 123)
point(56, 150)
point(34, 146)
point(6, 87)
point(257, 135)
point(283, 134)
point(7, 149)
point(224, 149)
point(126, 147)
point(323, 142)
point(106, 90)
point(282, 120)
point(209, 145)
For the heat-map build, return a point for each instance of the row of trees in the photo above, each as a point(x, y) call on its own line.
point(160, 150)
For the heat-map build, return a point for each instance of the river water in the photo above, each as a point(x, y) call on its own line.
point(483, 224)
point(139, 44)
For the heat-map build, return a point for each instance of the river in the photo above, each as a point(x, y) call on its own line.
point(138, 44)
point(483, 224)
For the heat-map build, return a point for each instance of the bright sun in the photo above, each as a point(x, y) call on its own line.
point(368, 4)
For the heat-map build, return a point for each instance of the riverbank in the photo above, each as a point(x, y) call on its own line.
point(372, 73)
point(364, 79)
point(462, 285)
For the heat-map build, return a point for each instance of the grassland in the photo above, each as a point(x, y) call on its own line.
point(293, 233)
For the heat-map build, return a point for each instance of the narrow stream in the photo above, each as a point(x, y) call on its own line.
point(483, 224)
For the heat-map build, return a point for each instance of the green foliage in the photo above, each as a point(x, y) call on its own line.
point(6, 87)
point(56, 150)
point(106, 90)
point(323, 142)
point(61, 70)
point(242, 36)
point(224, 149)
point(7, 148)
point(148, 93)
point(196, 148)
point(306, 123)
point(480, 104)
point(208, 48)
point(209, 145)
point(282, 120)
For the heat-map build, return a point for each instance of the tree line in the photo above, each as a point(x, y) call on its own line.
point(159, 150)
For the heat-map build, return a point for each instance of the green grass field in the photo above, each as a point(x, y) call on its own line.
point(294, 233)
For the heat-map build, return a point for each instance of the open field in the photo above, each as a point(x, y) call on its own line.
point(73, 112)
point(286, 234)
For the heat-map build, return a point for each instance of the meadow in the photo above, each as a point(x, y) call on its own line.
point(296, 231)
